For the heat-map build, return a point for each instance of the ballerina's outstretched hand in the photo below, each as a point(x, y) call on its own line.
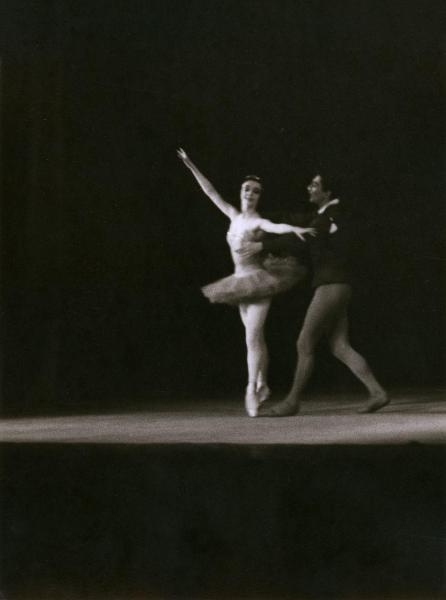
point(207, 187)
point(301, 231)
point(184, 157)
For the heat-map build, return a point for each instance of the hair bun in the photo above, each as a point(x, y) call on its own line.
point(252, 178)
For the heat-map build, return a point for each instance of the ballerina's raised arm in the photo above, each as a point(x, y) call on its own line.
point(228, 209)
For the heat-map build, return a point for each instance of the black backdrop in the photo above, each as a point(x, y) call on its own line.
point(106, 237)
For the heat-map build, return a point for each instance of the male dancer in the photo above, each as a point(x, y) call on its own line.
point(327, 312)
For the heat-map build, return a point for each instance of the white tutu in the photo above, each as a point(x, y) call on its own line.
point(274, 276)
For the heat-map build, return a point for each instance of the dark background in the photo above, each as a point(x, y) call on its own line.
point(106, 238)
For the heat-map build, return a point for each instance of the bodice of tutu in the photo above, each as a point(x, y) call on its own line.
point(235, 241)
point(254, 279)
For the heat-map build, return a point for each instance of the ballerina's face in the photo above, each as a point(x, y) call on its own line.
point(249, 195)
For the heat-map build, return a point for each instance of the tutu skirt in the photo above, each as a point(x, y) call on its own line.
point(274, 276)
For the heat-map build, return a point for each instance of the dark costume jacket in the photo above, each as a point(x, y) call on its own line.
point(328, 253)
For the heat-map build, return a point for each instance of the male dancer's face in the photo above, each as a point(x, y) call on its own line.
point(316, 191)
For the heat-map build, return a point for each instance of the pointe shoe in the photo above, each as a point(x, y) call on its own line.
point(375, 403)
point(263, 393)
point(251, 402)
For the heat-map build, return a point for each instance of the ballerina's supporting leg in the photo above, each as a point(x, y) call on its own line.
point(262, 389)
point(253, 317)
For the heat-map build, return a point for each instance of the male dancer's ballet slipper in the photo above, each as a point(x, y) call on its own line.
point(286, 408)
point(374, 404)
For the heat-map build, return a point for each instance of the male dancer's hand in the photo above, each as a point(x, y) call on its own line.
point(250, 249)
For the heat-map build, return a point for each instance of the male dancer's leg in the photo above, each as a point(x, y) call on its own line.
point(329, 301)
point(342, 350)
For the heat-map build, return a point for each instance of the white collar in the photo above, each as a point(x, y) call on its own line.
point(324, 208)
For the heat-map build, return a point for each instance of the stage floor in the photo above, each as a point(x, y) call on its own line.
point(196, 500)
point(415, 416)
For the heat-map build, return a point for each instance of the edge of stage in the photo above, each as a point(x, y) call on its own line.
point(196, 500)
point(323, 419)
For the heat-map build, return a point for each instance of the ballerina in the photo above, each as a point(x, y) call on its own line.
point(253, 284)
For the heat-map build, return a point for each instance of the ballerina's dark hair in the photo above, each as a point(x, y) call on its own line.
point(252, 178)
